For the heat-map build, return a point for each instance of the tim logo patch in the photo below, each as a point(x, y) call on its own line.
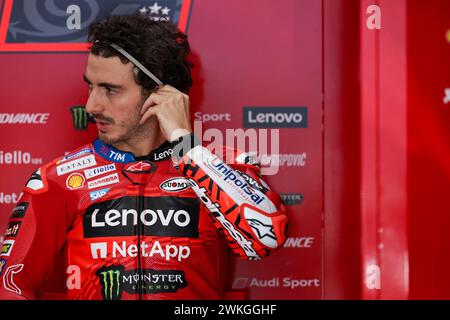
point(62, 26)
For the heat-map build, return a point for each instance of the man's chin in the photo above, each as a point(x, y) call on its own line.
point(107, 138)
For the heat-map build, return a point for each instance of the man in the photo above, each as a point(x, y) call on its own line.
point(143, 211)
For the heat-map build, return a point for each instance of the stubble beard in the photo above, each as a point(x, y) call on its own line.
point(133, 130)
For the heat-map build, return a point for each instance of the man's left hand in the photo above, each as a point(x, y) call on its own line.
point(171, 108)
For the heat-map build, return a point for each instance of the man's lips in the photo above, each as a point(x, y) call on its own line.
point(101, 125)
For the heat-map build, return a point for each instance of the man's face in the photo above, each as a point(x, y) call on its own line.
point(115, 100)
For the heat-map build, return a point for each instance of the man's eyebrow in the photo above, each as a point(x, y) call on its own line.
point(104, 84)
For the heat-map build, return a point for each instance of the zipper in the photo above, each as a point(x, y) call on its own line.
point(140, 206)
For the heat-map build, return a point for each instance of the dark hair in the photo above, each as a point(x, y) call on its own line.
point(158, 45)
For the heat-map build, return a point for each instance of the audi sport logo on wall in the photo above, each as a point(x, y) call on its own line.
point(49, 25)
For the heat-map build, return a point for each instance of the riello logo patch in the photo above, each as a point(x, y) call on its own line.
point(49, 25)
point(115, 280)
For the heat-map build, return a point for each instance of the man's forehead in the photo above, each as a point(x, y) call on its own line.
point(100, 68)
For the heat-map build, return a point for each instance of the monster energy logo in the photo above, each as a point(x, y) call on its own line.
point(114, 280)
point(110, 280)
point(80, 117)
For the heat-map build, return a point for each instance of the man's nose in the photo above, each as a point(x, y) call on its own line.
point(94, 104)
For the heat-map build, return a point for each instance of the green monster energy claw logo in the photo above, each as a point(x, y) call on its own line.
point(80, 117)
point(110, 280)
point(114, 280)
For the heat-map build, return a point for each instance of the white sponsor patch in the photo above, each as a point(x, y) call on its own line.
point(94, 195)
point(75, 165)
point(90, 173)
point(6, 247)
point(104, 181)
point(262, 227)
point(175, 184)
point(229, 180)
point(77, 154)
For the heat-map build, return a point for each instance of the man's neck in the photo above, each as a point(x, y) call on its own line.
point(142, 147)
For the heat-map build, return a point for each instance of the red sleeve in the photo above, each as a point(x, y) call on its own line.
point(242, 205)
point(34, 237)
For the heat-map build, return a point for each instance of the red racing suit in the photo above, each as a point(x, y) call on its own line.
point(139, 228)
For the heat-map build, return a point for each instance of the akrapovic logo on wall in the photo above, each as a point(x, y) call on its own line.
point(275, 117)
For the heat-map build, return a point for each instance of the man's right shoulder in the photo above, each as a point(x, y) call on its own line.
point(56, 170)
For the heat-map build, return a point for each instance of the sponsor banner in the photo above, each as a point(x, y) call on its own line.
point(175, 184)
point(162, 216)
point(63, 25)
point(231, 181)
point(111, 153)
point(13, 229)
point(77, 154)
point(162, 155)
point(94, 195)
point(18, 157)
point(115, 280)
point(292, 199)
point(275, 117)
point(283, 159)
point(7, 198)
point(6, 247)
point(90, 173)
point(104, 181)
point(212, 117)
point(299, 242)
point(19, 210)
point(75, 165)
point(167, 251)
point(275, 282)
point(24, 118)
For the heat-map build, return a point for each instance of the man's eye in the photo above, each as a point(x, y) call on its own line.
point(110, 91)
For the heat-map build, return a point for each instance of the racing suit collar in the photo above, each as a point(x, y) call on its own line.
point(112, 154)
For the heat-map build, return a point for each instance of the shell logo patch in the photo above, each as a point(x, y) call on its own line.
point(75, 181)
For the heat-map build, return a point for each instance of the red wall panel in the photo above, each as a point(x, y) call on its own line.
point(429, 148)
point(342, 225)
point(249, 59)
